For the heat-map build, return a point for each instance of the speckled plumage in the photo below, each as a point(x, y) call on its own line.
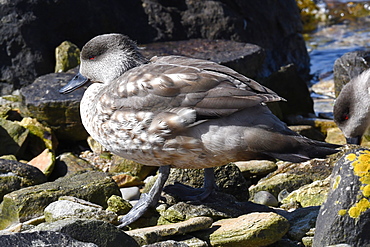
point(179, 111)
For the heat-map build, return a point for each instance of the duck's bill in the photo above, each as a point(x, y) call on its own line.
point(354, 140)
point(77, 82)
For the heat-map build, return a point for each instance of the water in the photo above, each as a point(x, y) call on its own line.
point(330, 42)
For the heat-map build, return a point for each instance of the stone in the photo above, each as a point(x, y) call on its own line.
point(301, 220)
point(217, 206)
point(154, 234)
point(67, 56)
point(245, 58)
point(265, 198)
point(24, 204)
point(12, 138)
point(15, 175)
point(41, 239)
point(310, 14)
point(319, 123)
point(289, 84)
point(44, 162)
point(41, 137)
point(69, 164)
point(308, 131)
point(64, 209)
point(190, 240)
point(61, 112)
point(335, 135)
point(130, 193)
point(313, 194)
point(256, 168)
point(126, 180)
point(348, 66)
point(344, 217)
point(228, 179)
point(251, 230)
point(28, 54)
point(291, 176)
point(122, 165)
point(168, 243)
point(101, 233)
point(118, 205)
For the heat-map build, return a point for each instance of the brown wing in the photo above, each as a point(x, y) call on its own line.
point(170, 82)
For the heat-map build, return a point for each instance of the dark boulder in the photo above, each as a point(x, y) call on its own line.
point(15, 175)
point(348, 66)
point(41, 239)
point(345, 216)
point(61, 112)
point(31, 29)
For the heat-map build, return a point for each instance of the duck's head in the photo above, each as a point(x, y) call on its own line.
point(352, 108)
point(103, 59)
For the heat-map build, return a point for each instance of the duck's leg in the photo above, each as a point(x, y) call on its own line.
point(147, 199)
point(185, 192)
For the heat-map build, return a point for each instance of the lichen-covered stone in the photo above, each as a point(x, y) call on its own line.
point(118, 205)
point(12, 138)
point(63, 209)
point(250, 230)
point(313, 194)
point(67, 56)
point(102, 233)
point(15, 175)
point(41, 136)
point(291, 176)
point(60, 112)
point(41, 238)
point(216, 206)
point(154, 234)
point(345, 216)
point(26, 203)
point(277, 183)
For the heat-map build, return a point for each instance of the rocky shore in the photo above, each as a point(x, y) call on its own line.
point(61, 188)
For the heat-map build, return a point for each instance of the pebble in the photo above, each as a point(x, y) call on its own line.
point(130, 193)
point(265, 198)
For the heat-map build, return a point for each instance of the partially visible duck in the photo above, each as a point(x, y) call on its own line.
point(352, 108)
point(175, 111)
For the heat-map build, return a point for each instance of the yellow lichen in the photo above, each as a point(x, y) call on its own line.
point(366, 191)
point(336, 182)
point(342, 212)
point(354, 212)
point(351, 157)
point(359, 208)
point(361, 168)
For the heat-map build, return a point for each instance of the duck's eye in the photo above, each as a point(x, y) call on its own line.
point(345, 117)
point(92, 57)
